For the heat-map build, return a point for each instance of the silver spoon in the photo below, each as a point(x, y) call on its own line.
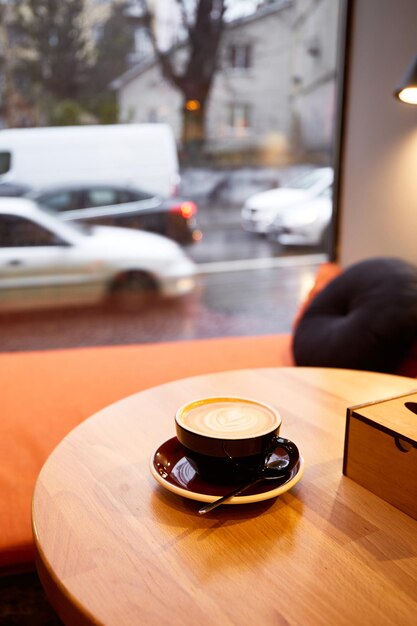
point(272, 470)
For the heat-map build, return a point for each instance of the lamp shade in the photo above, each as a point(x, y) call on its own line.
point(407, 89)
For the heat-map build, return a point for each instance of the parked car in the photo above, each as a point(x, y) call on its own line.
point(47, 263)
point(114, 205)
point(295, 215)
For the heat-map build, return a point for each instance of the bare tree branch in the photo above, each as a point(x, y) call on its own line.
point(164, 58)
point(184, 15)
point(194, 76)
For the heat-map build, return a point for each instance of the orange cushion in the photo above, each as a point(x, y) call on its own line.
point(46, 394)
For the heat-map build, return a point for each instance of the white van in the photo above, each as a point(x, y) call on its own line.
point(139, 155)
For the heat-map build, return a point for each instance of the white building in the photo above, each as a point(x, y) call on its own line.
point(315, 45)
point(271, 96)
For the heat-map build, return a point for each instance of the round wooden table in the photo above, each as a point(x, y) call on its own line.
point(116, 548)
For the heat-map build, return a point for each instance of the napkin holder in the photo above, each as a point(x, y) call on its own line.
point(381, 449)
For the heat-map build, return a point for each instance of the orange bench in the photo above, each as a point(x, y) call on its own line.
point(46, 394)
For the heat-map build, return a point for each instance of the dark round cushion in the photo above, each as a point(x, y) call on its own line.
point(366, 318)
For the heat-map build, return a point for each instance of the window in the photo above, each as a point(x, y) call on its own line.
point(255, 132)
point(17, 232)
point(61, 201)
point(240, 116)
point(101, 197)
point(126, 196)
point(239, 56)
point(134, 196)
point(5, 162)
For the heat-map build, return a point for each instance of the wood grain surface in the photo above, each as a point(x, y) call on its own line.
point(116, 548)
point(369, 454)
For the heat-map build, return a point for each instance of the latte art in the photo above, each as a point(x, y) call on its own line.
point(229, 419)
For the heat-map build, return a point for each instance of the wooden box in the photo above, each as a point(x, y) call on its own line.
point(381, 449)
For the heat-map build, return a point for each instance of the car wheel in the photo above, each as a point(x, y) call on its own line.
point(134, 291)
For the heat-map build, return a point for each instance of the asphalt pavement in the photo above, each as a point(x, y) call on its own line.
point(224, 240)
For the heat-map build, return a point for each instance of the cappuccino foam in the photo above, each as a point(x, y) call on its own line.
point(229, 419)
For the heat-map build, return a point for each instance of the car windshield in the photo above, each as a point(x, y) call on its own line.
point(305, 181)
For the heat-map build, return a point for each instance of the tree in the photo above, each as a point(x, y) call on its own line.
point(113, 47)
point(66, 113)
point(55, 57)
point(15, 110)
point(203, 24)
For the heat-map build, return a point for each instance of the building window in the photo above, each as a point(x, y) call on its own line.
point(239, 56)
point(240, 117)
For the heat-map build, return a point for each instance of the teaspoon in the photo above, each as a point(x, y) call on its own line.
point(271, 471)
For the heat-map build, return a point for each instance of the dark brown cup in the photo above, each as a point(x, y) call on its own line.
point(229, 456)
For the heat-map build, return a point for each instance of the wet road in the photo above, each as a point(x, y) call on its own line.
point(251, 302)
point(225, 240)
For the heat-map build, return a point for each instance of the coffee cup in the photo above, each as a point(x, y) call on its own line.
point(229, 438)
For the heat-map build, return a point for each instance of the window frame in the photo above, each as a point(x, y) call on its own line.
point(239, 57)
point(233, 117)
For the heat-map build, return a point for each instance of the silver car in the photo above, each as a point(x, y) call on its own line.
point(295, 215)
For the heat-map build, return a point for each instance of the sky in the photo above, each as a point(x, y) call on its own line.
point(169, 17)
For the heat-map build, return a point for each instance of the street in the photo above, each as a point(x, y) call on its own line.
point(225, 240)
point(250, 302)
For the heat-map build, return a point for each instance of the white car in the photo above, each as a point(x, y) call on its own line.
point(296, 215)
point(45, 262)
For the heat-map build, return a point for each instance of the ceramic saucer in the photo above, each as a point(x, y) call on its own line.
point(172, 469)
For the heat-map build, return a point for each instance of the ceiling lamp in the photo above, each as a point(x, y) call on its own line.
point(407, 89)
